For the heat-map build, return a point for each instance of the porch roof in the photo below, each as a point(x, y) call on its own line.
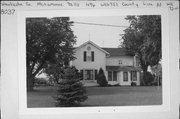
point(123, 68)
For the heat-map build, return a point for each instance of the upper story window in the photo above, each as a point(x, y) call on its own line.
point(88, 56)
point(120, 62)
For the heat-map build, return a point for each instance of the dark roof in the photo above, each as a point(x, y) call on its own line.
point(114, 52)
point(118, 52)
point(123, 68)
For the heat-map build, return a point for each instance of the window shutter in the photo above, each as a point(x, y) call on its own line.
point(81, 74)
point(96, 74)
point(84, 55)
point(92, 56)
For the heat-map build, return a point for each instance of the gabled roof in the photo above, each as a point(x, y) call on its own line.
point(114, 52)
point(90, 42)
point(123, 68)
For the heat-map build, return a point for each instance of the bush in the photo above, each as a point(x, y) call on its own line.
point(154, 83)
point(149, 79)
point(70, 91)
point(133, 84)
point(40, 81)
point(101, 78)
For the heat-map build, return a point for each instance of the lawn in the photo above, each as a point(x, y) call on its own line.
point(102, 96)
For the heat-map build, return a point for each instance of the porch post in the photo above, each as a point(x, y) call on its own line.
point(134, 60)
point(93, 74)
point(83, 74)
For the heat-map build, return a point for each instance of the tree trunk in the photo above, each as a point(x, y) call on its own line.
point(144, 75)
point(30, 84)
point(30, 80)
point(31, 76)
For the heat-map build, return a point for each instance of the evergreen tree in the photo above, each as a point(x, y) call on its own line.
point(70, 91)
point(101, 78)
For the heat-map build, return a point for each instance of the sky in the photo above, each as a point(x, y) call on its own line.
point(103, 36)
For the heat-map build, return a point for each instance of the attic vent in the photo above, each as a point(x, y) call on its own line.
point(88, 48)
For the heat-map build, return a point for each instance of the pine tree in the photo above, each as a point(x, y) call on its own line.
point(101, 78)
point(70, 91)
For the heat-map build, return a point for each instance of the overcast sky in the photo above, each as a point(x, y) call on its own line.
point(103, 36)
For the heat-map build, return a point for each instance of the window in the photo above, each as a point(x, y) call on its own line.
point(134, 76)
point(66, 63)
point(85, 56)
point(125, 76)
point(88, 56)
point(120, 61)
point(109, 75)
point(114, 75)
point(88, 74)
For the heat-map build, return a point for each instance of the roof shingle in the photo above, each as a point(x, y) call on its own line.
point(113, 52)
point(118, 52)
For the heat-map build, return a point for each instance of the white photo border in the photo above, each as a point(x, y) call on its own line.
point(126, 110)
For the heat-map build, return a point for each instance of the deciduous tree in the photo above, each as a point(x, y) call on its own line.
point(48, 41)
point(143, 38)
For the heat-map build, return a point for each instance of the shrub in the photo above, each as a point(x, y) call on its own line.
point(40, 81)
point(133, 84)
point(101, 78)
point(70, 90)
point(149, 79)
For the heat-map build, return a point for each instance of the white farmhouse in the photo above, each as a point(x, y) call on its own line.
point(120, 67)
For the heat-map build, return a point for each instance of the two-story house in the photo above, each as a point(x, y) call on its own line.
point(120, 67)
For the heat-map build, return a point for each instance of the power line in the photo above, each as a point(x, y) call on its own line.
point(100, 24)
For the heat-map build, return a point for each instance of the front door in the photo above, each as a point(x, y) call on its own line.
point(134, 77)
point(88, 75)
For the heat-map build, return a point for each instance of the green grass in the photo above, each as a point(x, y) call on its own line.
point(102, 96)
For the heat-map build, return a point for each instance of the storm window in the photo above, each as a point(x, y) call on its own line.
point(125, 76)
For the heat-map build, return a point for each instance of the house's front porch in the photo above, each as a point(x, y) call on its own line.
point(89, 77)
point(115, 75)
point(123, 75)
